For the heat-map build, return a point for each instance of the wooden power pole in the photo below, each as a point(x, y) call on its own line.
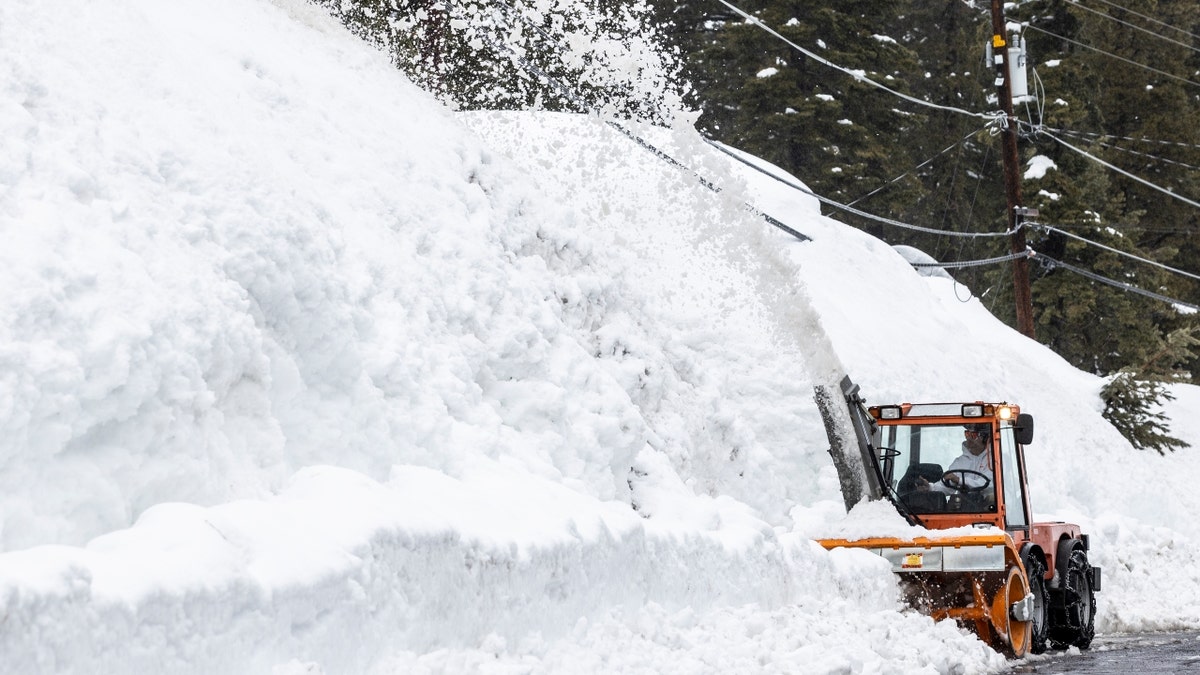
point(1022, 296)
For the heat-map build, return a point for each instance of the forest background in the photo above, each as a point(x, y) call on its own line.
point(888, 107)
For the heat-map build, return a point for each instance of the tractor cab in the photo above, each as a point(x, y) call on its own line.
point(955, 464)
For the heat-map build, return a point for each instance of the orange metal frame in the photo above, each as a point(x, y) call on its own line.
point(989, 616)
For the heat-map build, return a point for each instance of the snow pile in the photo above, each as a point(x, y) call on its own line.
point(302, 372)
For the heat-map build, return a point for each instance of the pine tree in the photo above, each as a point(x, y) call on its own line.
point(1130, 405)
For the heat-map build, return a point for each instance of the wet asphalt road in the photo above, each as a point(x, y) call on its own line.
point(1145, 654)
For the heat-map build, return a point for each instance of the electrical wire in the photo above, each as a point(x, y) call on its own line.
point(977, 263)
point(1039, 96)
point(1092, 134)
point(850, 209)
point(856, 74)
point(1119, 227)
point(1113, 146)
point(948, 148)
point(1151, 19)
point(1051, 228)
point(1119, 170)
point(1179, 304)
point(1109, 54)
point(984, 161)
point(1135, 27)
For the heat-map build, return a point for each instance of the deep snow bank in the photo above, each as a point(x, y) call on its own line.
point(360, 388)
point(227, 258)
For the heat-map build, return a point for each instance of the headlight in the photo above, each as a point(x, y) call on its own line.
point(974, 410)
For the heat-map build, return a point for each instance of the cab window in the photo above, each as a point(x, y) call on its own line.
point(1014, 505)
point(915, 458)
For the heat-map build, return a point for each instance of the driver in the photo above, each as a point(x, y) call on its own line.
point(977, 440)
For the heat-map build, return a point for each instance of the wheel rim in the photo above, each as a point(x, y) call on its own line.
point(1039, 610)
point(1085, 597)
point(1016, 633)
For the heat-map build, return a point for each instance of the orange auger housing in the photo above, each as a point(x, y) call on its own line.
point(960, 468)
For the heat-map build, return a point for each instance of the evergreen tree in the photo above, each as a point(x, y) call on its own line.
point(1131, 404)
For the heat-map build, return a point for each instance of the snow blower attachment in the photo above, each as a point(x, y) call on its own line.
point(960, 468)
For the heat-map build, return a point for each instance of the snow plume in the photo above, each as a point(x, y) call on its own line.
point(531, 54)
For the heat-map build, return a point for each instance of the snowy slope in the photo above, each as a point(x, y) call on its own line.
point(303, 372)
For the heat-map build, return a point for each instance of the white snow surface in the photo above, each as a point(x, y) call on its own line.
point(1037, 166)
point(302, 372)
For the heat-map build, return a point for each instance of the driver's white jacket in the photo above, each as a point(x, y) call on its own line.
point(981, 463)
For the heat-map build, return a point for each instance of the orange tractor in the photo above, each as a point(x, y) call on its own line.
point(958, 470)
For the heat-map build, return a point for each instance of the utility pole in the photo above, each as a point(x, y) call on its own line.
point(1022, 296)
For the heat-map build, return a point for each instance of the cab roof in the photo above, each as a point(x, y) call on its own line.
point(975, 409)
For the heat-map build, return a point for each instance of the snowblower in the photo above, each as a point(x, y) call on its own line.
point(957, 470)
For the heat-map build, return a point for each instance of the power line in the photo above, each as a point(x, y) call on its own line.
point(1051, 228)
point(1051, 262)
point(1123, 172)
point(1121, 227)
point(1109, 54)
point(850, 209)
point(856, 74)
point(1151, 19)
point(1179, 304)
point(1147, 155)
point(948, 148)
point(1092, 134)
point(1135, 27)
point(977, 263)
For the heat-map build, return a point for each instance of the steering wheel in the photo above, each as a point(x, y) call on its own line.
point(962, 486)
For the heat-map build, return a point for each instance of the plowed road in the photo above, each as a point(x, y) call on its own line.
point(1145, 654)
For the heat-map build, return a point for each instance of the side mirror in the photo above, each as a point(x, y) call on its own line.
point(1024, 428)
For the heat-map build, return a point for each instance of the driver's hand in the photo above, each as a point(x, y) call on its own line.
point(922, 484)
point(953, 479)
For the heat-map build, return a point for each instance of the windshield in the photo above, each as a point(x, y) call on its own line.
point(944, 468)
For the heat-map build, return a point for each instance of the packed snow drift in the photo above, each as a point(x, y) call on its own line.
point(303, 372)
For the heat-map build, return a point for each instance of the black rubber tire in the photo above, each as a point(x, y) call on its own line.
point(1075, 624)
point(1039, 633)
